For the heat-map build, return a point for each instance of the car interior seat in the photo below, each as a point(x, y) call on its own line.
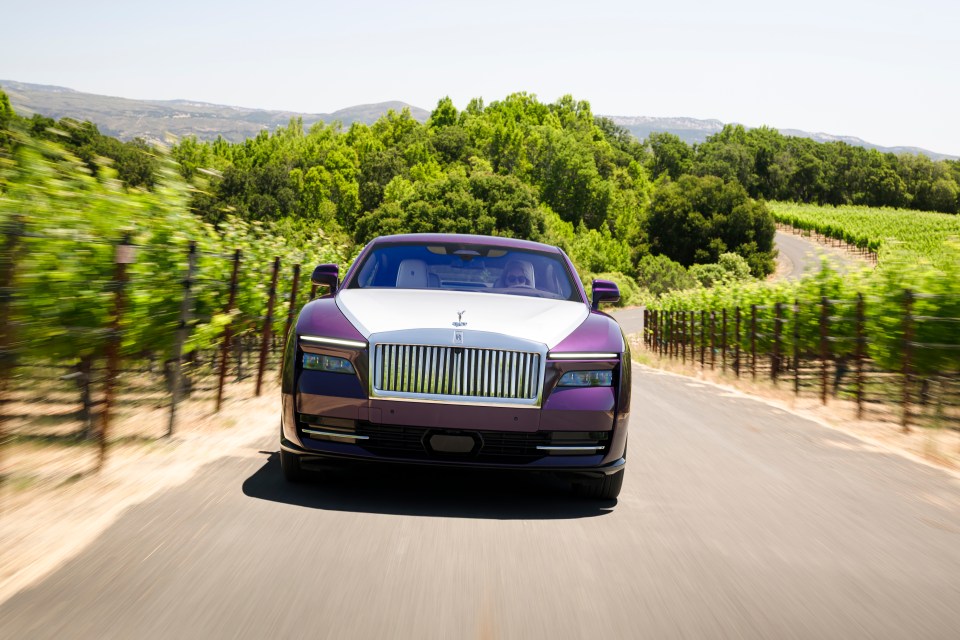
point(412, 274)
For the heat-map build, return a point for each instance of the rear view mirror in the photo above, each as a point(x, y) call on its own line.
point(604, 291)
point(327, 275)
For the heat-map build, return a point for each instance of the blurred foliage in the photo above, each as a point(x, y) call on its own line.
point(920, 237)
point(932, 322)
point(69, 216)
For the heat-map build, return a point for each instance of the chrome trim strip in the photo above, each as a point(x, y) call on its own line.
point(338, 342)
point(592, 355)
point(335, 434)
point(466, 401)
point(557, 448)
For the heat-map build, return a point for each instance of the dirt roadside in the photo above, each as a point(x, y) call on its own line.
point(930, 446)
point(53, 514)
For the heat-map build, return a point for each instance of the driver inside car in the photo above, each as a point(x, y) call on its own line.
point(517, 273)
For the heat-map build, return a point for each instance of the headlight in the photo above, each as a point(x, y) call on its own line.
point(586, 379)
point(331, 364)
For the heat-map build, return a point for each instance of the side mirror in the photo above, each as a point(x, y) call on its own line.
point(604, 291)
point(326, 275)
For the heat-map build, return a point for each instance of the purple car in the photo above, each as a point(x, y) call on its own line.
point(459, 350)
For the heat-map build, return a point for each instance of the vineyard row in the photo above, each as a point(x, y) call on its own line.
point(826, 346)
point(97, 355)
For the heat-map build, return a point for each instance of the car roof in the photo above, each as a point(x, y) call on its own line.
point(464, 238)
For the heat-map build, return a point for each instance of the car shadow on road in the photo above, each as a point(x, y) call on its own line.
point(415, 491)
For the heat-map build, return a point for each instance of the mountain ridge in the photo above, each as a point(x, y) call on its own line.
point(128, 118)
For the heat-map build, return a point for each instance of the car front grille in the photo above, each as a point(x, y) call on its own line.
point(504, 447)
point(456, 371)
point(408, 442)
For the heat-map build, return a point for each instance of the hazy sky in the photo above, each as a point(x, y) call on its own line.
point(881, 70)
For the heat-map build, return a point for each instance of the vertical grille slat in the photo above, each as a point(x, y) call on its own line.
point(460, 371)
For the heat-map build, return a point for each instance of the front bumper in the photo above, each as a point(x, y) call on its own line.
point(329, 454)
point(328, 417)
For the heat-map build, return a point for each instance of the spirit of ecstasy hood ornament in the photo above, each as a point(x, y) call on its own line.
point(459, 322)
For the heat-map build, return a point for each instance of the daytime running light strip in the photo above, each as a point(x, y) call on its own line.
point(592, 355)
point(355, 344)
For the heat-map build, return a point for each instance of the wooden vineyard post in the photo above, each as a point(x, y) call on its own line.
point(122, 257)
point(667, 333)
point(291, 311)
point(796, 347)
point(659, 344)
point(668, 343)
point(777, 327)
point(824, 347)
point(713, 339)
point(723, 341)
point(693, 337)
point(860, 354)
point(683, 336)
point(736, 344)
point(674, 334)
point(267, 325)
point(907, 353)
point(183, 328)
point(654, 331)
point(703, 336)
point(228, 330)
point(753, 341)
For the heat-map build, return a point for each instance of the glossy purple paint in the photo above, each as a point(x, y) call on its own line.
point(322, 317)
point(599, 332)
point(465, 238)
point(581, 399)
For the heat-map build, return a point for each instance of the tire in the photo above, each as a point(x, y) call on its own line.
point(290, 463)
point(605, 488)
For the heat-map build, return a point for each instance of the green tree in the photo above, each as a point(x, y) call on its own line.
point(659, 274)
point(444, 115)
point(669, 155)
point(695, 219)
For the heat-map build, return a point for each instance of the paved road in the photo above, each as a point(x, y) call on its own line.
point(736, 520)
point(803, 255)
point(630, 320)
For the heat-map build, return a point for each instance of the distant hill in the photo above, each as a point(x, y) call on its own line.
point(692, 131)
point(152, 119)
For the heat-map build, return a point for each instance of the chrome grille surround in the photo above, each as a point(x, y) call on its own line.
point(428, 365)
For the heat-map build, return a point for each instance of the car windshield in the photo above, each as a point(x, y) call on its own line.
point(458, 267)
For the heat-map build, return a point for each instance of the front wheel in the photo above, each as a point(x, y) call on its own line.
point(290, 464)
point(605, 488)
